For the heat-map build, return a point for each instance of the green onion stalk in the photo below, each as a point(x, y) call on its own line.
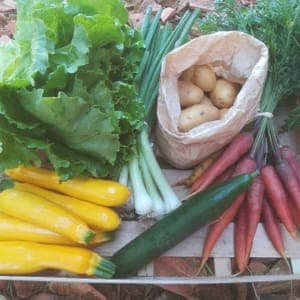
point(152, 194)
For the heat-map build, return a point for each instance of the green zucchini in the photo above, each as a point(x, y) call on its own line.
point(194, 213)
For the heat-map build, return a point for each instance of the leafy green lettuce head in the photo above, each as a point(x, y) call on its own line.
point(67, 87)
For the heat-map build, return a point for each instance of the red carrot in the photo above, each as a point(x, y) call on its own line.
point(290, 156)
point(255, 196)
point(246, 165)
point(295, 213)
point(225, 175)
point(240, 236)
point(289, 179)
point(278, 198)
point(272, 227)
point(236, 149)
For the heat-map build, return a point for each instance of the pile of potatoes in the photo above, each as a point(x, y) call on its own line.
point(204, 96)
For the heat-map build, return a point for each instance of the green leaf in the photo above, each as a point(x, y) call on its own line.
point(6, 184)
point(67, 87)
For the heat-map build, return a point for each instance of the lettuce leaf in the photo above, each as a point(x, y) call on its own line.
point(67, 87)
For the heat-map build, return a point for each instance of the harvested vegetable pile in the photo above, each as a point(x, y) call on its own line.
point(275, 195)
point(67, 87)
point(83, 166)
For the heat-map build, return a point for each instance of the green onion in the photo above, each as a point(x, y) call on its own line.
point(141, 199)
point(149, 183)
point(158, 204)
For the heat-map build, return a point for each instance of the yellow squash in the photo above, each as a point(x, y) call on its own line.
point(96, 216)
point(99, 191)
point(19, 257)
point(37, 210)
point(12, 229)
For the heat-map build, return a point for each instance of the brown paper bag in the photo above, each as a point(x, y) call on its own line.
point(233, 55)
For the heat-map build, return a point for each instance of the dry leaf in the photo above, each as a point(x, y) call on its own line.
point(44, 296)
point(26, 289)
point(241, 291)
point(215, 292)
point(257, 267)
point(280, 267)
point(177, 266)
point(82, 291)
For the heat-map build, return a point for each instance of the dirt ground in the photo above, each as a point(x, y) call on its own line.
point(56, 291)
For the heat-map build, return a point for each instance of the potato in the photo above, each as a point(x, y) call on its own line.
point(224, 93)
point(206, 100)
point(189, 93)
point(223, 112)
point(188, 74)
point(195, 115)
point(205, 78)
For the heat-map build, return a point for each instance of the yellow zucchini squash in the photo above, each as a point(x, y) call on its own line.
point(99, 191)
point(37, 210)
point(22, 257)
point(96, 216)
point(12, 229)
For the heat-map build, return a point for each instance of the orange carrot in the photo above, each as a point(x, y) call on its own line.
point(198, 170)
point(236, 149)
point(246, 165)
point(278, 198)
point(272, 228)
point(290, 156)
point(255, 197)
point(240, 236)
point(289, 178)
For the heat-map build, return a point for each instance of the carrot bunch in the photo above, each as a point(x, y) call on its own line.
point(273, 198)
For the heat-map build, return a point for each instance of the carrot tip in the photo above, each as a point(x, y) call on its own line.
point(202, 264)
point(293, 235)
point(237, 274)
point(282, 253)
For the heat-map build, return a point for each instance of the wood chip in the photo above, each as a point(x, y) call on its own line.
point(167, 14)
point(203, 5)
point(143, 7)
point(11, 26)
point(7, 5)
point(136, 19)
point(182, 5)
point(5, 39)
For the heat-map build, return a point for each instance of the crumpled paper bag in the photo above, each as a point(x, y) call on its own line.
point(234, 55)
